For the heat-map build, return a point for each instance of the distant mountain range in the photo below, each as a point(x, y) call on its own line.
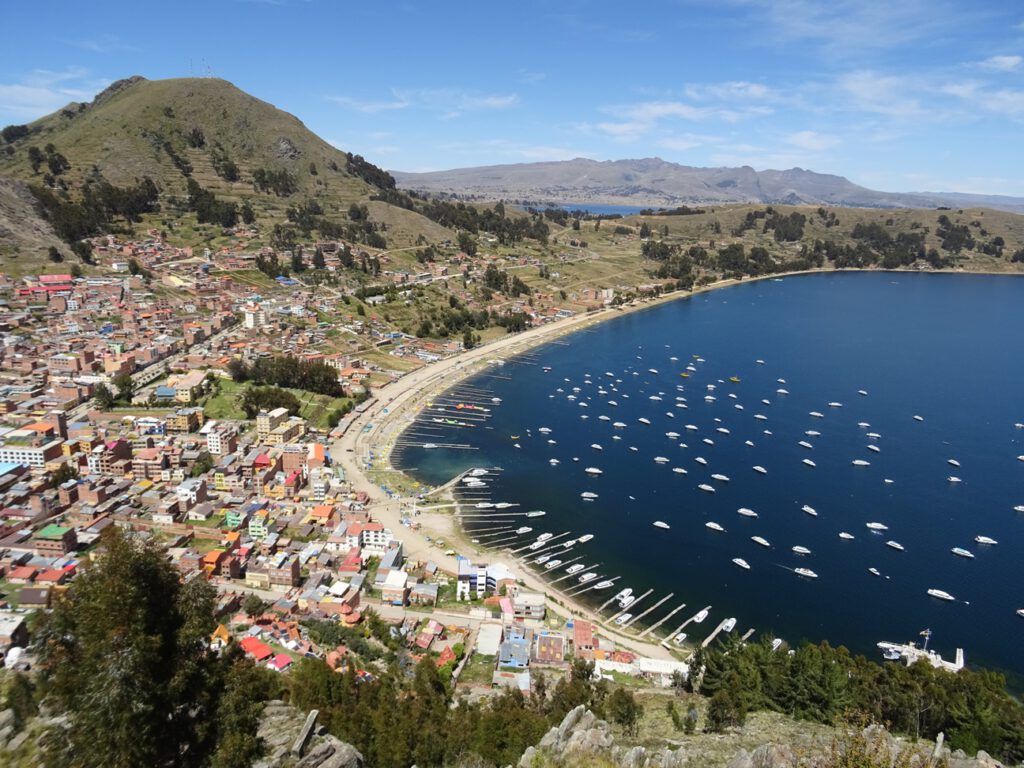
point(658, 183)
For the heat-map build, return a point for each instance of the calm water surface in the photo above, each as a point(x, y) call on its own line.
point(946, 347)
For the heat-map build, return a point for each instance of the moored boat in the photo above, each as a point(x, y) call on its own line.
point(714, 526)
point(805, 572)
point(760, 540)
point(941, 594)
point(741, 563)
point(961, 552)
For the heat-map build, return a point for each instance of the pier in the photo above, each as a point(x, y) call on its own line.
point(710, 638)
point(635, 602)
point(662, 620)
point(639, 616)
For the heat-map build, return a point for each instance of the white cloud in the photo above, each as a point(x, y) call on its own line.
point(734, 90)
point(42, 91)
point(891, 95)
point(812, 141)
point(449, 102)
point(1002, 63)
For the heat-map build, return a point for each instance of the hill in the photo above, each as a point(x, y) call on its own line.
point(203, 131)
point(656, 182)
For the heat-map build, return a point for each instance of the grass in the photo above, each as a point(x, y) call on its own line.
point(479, 670)
point(223, 404)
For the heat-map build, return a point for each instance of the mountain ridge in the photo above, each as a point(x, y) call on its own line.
point(652, 181)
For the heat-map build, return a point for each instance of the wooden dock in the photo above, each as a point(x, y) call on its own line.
point(661, 621)
point(628, 607)
point(639, 616)
point(710, 638)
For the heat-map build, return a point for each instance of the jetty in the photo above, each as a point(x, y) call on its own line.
point(639, 616)
point(662, 620)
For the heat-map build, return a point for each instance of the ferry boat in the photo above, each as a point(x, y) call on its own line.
point(741, 563)
point(585, 538)
point(845, 535)
point(720, 478)
point(809, 463)
point(760, 470)
point(876, 526)
point(760, 540)
point(746, 512)
point(602, 584)
point(809, 510)
point(801, 550)
point(861, 463)
point(536, 513)
point(714, 527)
point(805, 572)
point(660, 524)
point(700, 616)
point(706, 488)
point(961, 552)
point(729, 625)
point(941, 594)
point(644, 420)
point(679, 470)
point(572, 569)
point(985, 540)
point(593, 471)
point(895, 545)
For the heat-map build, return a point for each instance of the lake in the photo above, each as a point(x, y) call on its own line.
point(946, 348)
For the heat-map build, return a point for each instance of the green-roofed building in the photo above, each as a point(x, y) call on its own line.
point(55, 540)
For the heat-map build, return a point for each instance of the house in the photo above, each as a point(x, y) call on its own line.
point(13, 630)
point(488, 639)
point(55, 540)
point(34, 597)
point(583, 639)
point(514, 652)
point(190, 386)
point(528, 605)
point(520, 680)
point(395, 588)
point(423, 594)
point(280, 662)
point(255, 648)
point(549, 649)
point(220, 638)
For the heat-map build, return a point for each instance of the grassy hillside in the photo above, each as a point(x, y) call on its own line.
point(210, 131)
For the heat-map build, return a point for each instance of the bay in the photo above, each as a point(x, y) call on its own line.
point(945, 347)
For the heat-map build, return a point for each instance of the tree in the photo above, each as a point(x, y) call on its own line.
point(468, 339)
point(318, 258)
point(62, 474)
point(467, 243)
point(12, 133)
point(624, 710)
point(125, 385)
point(54, 255)
point(253, 605)
point(35, 158)
point(203, 464)
point(125, 656)
point(76, 270)
point(248, 214)
point(104, 397)
point(725, 711)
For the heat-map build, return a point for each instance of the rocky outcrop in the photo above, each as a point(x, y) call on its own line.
point(583, 739)
point(279, 727)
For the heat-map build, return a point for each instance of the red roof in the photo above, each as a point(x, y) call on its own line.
point(281, 662)
point(256, 648)
point(55, 278)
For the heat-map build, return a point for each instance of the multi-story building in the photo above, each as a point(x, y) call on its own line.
point(266, 421)
point(13, 452)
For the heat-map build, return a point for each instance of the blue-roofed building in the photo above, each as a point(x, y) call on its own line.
point(514, 653)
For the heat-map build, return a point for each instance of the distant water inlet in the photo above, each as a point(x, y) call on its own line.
point(822, 457)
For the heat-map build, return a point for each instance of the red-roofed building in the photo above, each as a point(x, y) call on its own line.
point(256, 648)
point(280, 662)
point(583, 639)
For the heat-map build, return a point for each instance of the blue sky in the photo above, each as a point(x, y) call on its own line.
point(900, 95)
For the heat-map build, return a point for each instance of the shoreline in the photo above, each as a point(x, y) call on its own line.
point(367, 444)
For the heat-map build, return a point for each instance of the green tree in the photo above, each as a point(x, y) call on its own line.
point(35, 158)
point(125, 656)
point(63, 473)
point(725, 711)
point(623, 709)
point(253, 605)
point(104, 397)
point(125, 385)
point(318, 258)
point(467, 243)
point(248, 214)
point(55, 255)
point(203, 464)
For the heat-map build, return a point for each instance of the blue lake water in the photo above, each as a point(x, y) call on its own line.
point(946, 347)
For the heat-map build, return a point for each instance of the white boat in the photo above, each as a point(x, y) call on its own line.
point(570, 543)
point(619, 425)
point(760, 417)
point(746, 512)
point(985, 540)
point(593, 471)
point(574, 569)
point(954, 479)
point(603, 584)
point(760, 470)
point(588, 495)
point(953, 462)
point(760, 540)
point(692, 427)
point(552, 564)
point(781, 381)
point(722, 430)
point(749, 443)
point(782, 391)
point(587, 577)
point(874, 448)
point(545, 536)
point(941, 594)
point(1020, 612)
point(706, 488)
point(430, 445)
point(817, 414)
point(643, 420)
point(652, 370)
point(484, 505)
point(672, 435)
point(862, 392)
point(863, 424)
point(623, 618)
point(504, 505)
point(845, 535)
point(679, 470)
point(714, 526)
point(776, 643)
point(805, 444)
point(729, 625)
point(700, 616)
point(524, 529)
point(660, 460)
point(1019, 508)
point(801, 550)
point(861, 463)
point(537, 545)
point(895, 545)
point(806, 572)
point(585, 538)
point(961, 552)
point(812, 433)
point(536, 513)
point(542, 559)
point(602, 417)
point(656, 398)
point(873, 436)
point(720, 478)
point(708, 441)
point(741, 563)
point(660, 524)
point(627, 601)
point(623, 593)
point(809, 463)
point(809, 510)
point(835, 405)
point(874, 572)
point(554, 462)
point(1020, 458)
point(918, 418)
point(679, 639)
point(876, 526)
point(596, 447)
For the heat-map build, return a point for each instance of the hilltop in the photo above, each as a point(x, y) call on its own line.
point(233, 145)
point(656, 182)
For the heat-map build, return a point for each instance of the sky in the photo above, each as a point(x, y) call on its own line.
point(896, 95)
